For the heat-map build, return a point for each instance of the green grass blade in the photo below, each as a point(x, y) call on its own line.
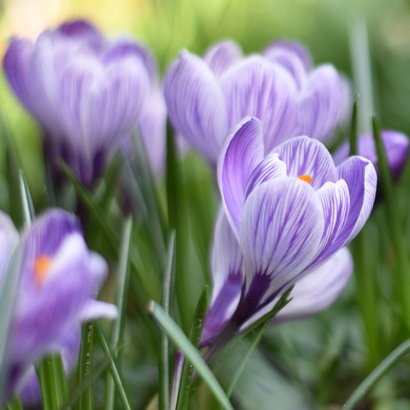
point(376, 374)
point(26, 200)
point(353, 148)
point(52, 381)
point(183, 343)
point(115, 371)
point(121, 297)
point(85, 365)
point(15, 404)
point(163, 390)
point(7, 299)
point(195, 336)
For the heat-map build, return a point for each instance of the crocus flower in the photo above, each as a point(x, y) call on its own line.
point(396, 146)
point(207, 97)
point(59, 281)
point(289, 213)
point(87, 93)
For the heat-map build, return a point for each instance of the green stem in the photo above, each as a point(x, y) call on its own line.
point(394, 225)
point(85, 365)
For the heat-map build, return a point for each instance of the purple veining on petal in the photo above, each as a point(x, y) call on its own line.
point(322, 103)
point(196, 105)
point(260, 88)
point(240, 156)
point(293, 56)
point(223, 55)
point(271, 167)
point(227, 277)
point(307, 156)
point(314, 292)
point(280, 233)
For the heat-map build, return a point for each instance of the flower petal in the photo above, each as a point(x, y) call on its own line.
point(222, 55)
point(322, 103)
point(47, 315)
point(280, 235)
point(44, 238)
point(335, 201)
point(361, 178)
point(314, 292)
point(307, 156)
point(260, 88)
point(271, 167)
point(293, 56)
point(196, 104)
point(227, 275)
point(240, 156)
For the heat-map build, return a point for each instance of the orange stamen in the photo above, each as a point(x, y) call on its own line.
point(306, 178)
point(41, 267)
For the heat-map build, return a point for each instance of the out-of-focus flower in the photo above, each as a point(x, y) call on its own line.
point(289, 212)
point(207, 97)
point(87, 93)
point(396, 146)
point(59, 281)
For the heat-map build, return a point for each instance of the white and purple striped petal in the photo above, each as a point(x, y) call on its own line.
point(260, 88)
point(227, 275)
point(241, 154)
point(196, 105)
point(280, 234)
point(314, 292)
point(322, 103)
point(223, 55)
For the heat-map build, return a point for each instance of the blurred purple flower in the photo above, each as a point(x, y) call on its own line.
point(207, 97)
point(59, 281)
point(396, 146)
point(290, 211)
point(87, 93)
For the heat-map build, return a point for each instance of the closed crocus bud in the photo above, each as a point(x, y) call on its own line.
point(59, 281)
point(286, 215)
point(396, 146)
point(86, 93)
point(207, 97)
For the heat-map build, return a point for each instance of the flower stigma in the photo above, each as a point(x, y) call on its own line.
point(306, 178)
point(41, 268)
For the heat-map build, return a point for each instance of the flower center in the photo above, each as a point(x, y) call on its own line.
point(41, 268)
point(306, 178)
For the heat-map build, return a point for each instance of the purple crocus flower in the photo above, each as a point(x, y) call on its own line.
point(207, 97)
point(287, 213)
point(396, 146)
point(86, 93)
point(59, 281)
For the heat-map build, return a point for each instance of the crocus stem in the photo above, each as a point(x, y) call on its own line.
point(395, 227)
point(85, 364)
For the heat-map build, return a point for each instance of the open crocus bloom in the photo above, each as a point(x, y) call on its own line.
point(86, 93)
point(59, 281)
point(207, 97)
point(396, 146)
point(287, 213)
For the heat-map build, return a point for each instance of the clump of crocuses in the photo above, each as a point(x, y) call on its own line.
point(207, 97)
point(88, 94)
point(58, 283)
point(286, 219)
